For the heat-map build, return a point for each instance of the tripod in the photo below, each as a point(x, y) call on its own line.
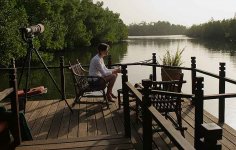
point(28, 38)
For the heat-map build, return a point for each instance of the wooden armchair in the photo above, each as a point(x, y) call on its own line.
point(85, 84)
point(167, 102)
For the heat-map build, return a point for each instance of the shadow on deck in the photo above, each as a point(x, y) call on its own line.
point(94, 126)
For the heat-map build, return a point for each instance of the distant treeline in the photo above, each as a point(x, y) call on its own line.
point(225, 29)
point(68, 24)
point(156, 28)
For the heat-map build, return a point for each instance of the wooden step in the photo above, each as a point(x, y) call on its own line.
point(96, 142)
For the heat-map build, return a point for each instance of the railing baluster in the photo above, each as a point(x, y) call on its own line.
point(63, 95)
point(222, 91)
point(147, 116)
point(198, 112)
point(126, 101)
point(15, 105)
point(154, 61)
point(193, 70)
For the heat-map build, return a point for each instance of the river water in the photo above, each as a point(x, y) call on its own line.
point(138, 48)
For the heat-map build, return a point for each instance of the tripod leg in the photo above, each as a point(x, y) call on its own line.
point(45, 66)
point(23, 67)
point(27, 79)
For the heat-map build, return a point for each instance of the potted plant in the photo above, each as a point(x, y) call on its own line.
point(172, 59)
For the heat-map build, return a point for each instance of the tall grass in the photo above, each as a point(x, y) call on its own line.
point(170, 59)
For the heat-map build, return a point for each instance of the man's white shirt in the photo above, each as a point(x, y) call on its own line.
point(98, 68)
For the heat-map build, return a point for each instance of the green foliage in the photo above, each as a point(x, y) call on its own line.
point(175, 59)
point(155, 28)
point(68, 24)
point(225, 29)
point(11, 44)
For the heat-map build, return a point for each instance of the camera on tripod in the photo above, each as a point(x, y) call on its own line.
point(30, 32)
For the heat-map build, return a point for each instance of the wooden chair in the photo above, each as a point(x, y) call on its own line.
point(165, 102)
point(85, 84)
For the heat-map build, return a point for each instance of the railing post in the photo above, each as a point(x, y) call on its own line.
point(222, 91)
point(154, 61)
point(15, 105)
point(211, 133)
point(147, 117)
point(126, 101)
point(199, 93)
point(109, 63)
point(63, 95)
point(193, 70)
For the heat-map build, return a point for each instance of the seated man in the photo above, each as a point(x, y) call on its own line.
point(98, 68)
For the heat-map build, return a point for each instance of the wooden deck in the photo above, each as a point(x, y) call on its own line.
point(51, 119)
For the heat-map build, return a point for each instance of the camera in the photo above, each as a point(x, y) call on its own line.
point(35, 29)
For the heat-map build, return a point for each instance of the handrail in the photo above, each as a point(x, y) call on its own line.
point(164, 66)
point(208, 73)
point(142, 64)
point(5, 93)
point(216, 96)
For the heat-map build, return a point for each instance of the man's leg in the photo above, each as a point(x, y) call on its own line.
point(111, 81)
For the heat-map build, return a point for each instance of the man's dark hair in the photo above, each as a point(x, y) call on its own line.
point(102, 47)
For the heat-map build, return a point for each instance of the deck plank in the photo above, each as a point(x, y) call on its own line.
point(82, 120)
point(40, 118)
point(92, 125)
point(56, 123)
point(35, 113)
point(117, 122)
point(65, 122)
point(74, 122)
point(100, 121)
point(109, 121)
point(29, 110)
point(43, 134)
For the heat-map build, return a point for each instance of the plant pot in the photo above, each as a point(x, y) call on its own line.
point(168, 74)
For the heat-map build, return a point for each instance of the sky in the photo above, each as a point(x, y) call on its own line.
point(184, 12)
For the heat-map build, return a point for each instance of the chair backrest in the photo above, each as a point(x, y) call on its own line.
point(164, 102)
point(172, 86)
point(79, 77)
point(77, 69)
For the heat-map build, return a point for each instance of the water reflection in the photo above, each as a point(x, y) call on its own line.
point(217, 46)
point(160, 41)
